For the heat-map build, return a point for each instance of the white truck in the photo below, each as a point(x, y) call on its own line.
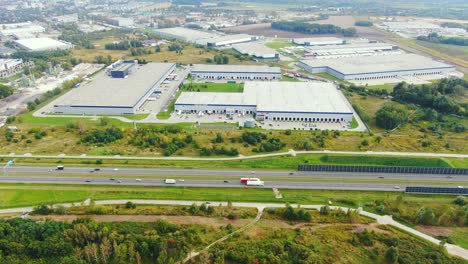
point(170, 181)
point(255, 183)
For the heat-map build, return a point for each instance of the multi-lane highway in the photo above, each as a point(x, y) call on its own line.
point(224, 178)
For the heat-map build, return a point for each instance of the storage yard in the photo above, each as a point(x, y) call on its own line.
point(381, 69)
point(113, 92)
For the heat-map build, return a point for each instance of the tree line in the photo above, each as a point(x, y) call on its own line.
point(436, 38)
point(313, 29)
point(124, 45)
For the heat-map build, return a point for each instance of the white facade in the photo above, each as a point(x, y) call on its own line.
point(274, 101)
point(230, 39)
point(321, 41)
point(378, 67)
point(42, 44)
point(236, 72)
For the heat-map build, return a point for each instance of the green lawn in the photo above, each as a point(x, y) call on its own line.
point(280, 43)
point(272, 163)
point(354, 123)
point(16, 195)
point(214, 87)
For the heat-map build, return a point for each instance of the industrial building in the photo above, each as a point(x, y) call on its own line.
point(20, 28)
point(230, 39)
point(378, 67)
point(121, 89)
point(321, 41)
point(186, 34)
point(256, 50)
point(274, 101)
point(42, 44)
point(236, 72)
point(208, 38)
point(9, 67)
point(355, 49)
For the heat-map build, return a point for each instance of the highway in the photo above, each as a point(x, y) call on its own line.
point(230, 173)
point(220, 178)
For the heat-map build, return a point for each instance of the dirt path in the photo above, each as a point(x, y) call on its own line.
point(176, 219)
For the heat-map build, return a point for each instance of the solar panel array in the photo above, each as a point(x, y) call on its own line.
point(383, 169)
point(437, 190)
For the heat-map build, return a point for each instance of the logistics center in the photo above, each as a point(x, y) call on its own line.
point(121, 89)
point(381, 67)
point(275, 101)
point(236, 72)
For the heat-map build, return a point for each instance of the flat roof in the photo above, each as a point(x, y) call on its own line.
point(235, 68)
point(319, 40)
point(187, 33)
point(355, 46)
point(297, 97)
point(21, 29)
point(104, 90)
point(226, 38)
point(303, 97)
point(42, 44)
point(378, 63)
point(254, 48)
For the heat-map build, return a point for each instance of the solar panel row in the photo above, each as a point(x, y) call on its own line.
point(437, 190)
point(383, 169)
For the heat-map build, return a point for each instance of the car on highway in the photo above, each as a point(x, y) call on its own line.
point(291, 173)
point(396, 187)
point(116, 169)
point(60, 167)
point(138, 180)
point(252, 172)
point(119, 181)
point(88, 181)
point(181, 180)
point(381, 177)
point(226, 181)
point(111, 179)
point(97, 169)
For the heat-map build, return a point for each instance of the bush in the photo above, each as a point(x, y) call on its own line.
point(103, 136)
point(130, 205)
point(390, 116)
point(460, 200)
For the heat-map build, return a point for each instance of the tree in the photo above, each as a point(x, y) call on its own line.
point(324, 210)
point(391, 116)
point(425, 216)
point(392, 255)
point(460, 200)
point(219, 138)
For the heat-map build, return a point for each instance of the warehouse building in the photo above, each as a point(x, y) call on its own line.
point(256, 50)
point(321, 41)
point(108, 95)
point(273, 101)
point(208, 38)
point(378, 67)
point(186, 34)
point(42, 44)
point(236, 72)
point(20, 28)
point(229, 40)
point(355, 49)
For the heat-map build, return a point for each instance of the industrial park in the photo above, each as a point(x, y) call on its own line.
point(260, 131)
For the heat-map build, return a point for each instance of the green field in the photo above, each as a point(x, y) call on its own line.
point(18, 195)
point(214, 87)
point(285, 162)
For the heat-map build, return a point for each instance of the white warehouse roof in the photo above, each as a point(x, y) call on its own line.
point(306, 97)
point(40, 44)
point(318, 41)
point(187, 34)
point(235, 68)
point(106, 91)
point(378, 64)
point(255, 49)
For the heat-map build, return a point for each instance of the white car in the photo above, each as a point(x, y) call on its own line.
point(252, 172)
point(116, 169)
point(396, 187)
point(138, 180)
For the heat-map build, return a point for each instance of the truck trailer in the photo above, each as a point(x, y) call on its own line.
point(245, 180)
point(255, 183)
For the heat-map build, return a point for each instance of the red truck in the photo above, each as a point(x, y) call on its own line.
point(245, 180)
